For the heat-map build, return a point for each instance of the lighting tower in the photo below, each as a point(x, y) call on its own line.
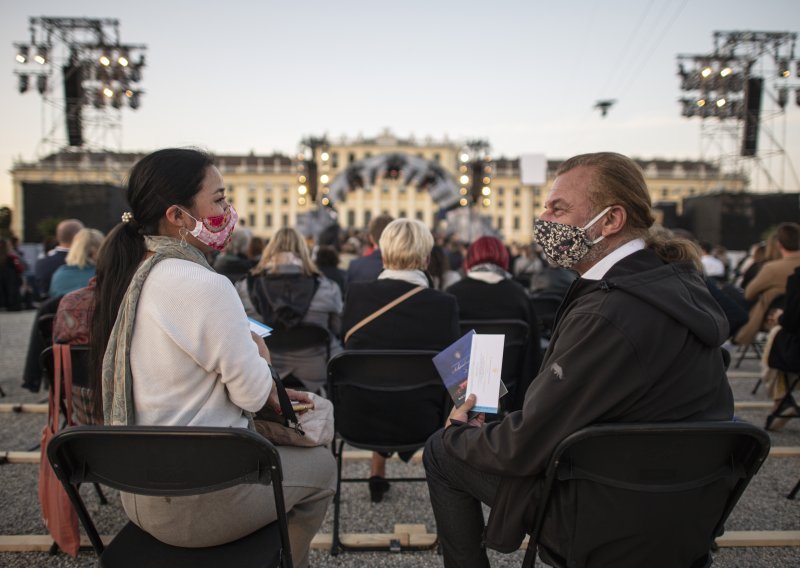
point(99, 74)
point(740, 92)
point(309, 178)
point(475, 173)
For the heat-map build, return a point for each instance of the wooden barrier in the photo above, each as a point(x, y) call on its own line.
point(414, 535)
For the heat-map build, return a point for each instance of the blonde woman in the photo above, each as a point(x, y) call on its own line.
point(426, 320)
point(285, 289)
point(79, 265)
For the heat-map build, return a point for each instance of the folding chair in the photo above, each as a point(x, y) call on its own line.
point(545, 306)
point(787, 407)
point(301, 336)
point(383, 401)
point(172, 461)
point(515, 349)
point(653, 495)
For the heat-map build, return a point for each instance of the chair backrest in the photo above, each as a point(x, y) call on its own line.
point(300, 336)
point(545, 306)
point(80, 365)
point(44, 324)
point(644, 494)
point(514, 348)
point(165, 461)
point(386, 400)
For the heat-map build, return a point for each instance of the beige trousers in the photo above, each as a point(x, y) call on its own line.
point(309, 482)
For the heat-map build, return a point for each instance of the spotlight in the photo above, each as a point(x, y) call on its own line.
point(302, 179)
point(463, 191)
point(133, 98)
point(41, 84)
point(116, 100)
point(108, 92)
point(797, 97)
point(326, 201)
point(324, 178)
point(464, 157)
point(23, 83)
point(783, 68)
point(486, 191)
point(22, 54)
point(486, 202)
point(464, 179)
point(706, 72)
point(122, 59)
point(462, 168)
point(301, 200)
point(104, 60)
point(725, 72)
point(302, 190)
point(721, 102)
point(325, 156)
point(41, 55)
point(487, 180)
point(701, 102)
point(463, 202)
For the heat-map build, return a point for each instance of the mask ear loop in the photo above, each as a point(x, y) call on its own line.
point(183, 231)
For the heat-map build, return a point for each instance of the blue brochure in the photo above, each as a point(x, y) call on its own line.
point(453, 366)
point(259, 328)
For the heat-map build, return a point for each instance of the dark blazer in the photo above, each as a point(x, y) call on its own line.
point(45, 267)
point(504, 300)
point(785, 352)
point(365, 269)
point(427, 320)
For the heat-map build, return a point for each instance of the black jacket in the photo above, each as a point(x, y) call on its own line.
point(785, 352)
point(365, 269)
point(642, 345)
point(427, 320)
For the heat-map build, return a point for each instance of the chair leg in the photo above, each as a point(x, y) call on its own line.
point(336, 544)
point(755, 388)
point(2, 392)
point(100, 495)
point(793, 493)
point(742, 352)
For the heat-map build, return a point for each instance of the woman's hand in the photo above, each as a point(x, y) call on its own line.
point(262, 347)
point(460, 413)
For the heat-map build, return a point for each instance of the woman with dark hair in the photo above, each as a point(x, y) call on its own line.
point(439, 270)
point(171, 345)
point(489, 292)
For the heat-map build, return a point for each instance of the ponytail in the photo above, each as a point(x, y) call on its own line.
point(117, 261)
point(672, 249)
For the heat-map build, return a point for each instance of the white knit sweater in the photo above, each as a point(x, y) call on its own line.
point(193, 360)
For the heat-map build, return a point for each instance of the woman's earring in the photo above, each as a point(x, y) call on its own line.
point(183, 232)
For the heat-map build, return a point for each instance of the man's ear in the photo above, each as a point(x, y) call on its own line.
point(614, 221)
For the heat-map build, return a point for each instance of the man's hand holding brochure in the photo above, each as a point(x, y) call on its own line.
point(470, 369)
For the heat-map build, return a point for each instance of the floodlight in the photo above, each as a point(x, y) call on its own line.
point(464, 179)
point(302, 190)
point(324, 178)
point(464, 157)
point(41, 84)
point(41, 55)
point(706, 72)
point(104, 60)
point(783, 97)
point(486, 191)
point(463, 202)
point(23, 83)
point(783, 68)
point(22, 54)
point(324, 156)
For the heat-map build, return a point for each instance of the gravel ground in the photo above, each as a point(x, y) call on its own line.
point(762, 507)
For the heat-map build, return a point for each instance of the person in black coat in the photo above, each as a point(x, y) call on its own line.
point(488, 292)
point(426, 320)
point(367, 268)
point(47, 265)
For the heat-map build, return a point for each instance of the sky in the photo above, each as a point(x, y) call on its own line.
point(240, 76)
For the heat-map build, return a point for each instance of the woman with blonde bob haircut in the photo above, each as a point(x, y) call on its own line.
point(79, 265)
point(424, 318)
point(286, 289)
point(406, 245)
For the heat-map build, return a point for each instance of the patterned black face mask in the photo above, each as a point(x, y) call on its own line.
point(564, 244)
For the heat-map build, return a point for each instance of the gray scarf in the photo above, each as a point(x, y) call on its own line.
point(117, 384)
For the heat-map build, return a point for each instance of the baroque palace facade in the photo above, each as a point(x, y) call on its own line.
point(271, 191)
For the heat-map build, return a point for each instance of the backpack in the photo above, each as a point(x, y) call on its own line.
point(282, 299)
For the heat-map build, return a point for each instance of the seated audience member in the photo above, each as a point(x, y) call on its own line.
point(367, 268)
point(11, 270)
point(78, 267)
point(47, 265)
point(255, 250)
point(782, 354)
point(488, 292)
point(233, 262)
point(638, 340)
point(770, 282)
point(439, 270)
point(712, 266)
point(171, 345)
point(286, 288)
point(328, 264)
point(428, 319)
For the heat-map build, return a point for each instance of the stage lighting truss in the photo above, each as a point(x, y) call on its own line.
point(475, 173)
point(107, 69)
point(716, 82)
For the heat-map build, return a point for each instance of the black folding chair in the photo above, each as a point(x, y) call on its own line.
point(171, 462)
point(653, 495)
point(787, 407)
point(545, 305)
point(384, 401)
point(515, 349)
point(301, 336)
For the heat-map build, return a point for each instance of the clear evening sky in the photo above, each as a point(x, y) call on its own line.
point(239, 75)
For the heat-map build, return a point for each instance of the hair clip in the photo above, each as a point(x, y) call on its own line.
point(127, 217)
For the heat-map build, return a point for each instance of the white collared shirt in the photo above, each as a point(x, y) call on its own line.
point(598, 271)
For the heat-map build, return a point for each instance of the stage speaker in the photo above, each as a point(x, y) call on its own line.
point(752, 116)
point(73, 97)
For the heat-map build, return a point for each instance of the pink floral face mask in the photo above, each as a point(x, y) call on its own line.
point(215, 231)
